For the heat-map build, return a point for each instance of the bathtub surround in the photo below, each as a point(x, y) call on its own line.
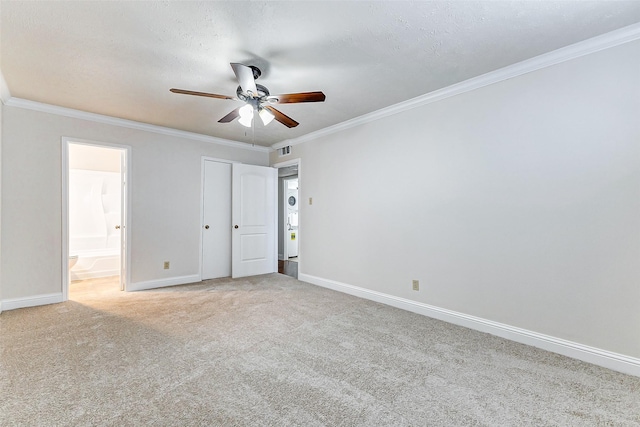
point(94, 214)
point(93, 194)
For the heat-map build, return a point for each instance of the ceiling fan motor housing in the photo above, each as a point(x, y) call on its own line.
point(262, 92)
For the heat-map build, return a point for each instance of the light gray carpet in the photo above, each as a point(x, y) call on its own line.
point(273, 351)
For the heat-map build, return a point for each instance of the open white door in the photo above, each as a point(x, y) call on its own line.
point(254, 216)
point(123, 219)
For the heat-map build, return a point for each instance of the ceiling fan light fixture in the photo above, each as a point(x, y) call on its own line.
point(256, 97)
point(246, 115)
point(266, 116)
point(245, 121)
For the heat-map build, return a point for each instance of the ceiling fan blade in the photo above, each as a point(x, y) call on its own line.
point(244, 75)
point(289, 98)
point(231, 116)
point(209, 95)
point(281, 117)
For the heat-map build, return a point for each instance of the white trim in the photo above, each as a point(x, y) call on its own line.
point(5, 94)
point(615, 361)
point(586, 47)
point(161, 283)
point(291, 162)
point(282, 226)
point(115, 121)
point(65, 141)
point(32, 301)
point(286, 163)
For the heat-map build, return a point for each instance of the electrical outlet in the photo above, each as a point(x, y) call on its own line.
point(416, 285)
point(166, 265)
point(310, 200)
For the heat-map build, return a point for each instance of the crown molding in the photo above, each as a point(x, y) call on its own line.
point(5, 95)
point(114, 121)
point(586, 47)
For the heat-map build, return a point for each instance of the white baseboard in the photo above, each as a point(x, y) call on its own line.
point(32, 301)
point(44, 299)
point(617, 362)
point(161, 283)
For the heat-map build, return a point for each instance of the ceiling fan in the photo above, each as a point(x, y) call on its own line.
point(257, 98)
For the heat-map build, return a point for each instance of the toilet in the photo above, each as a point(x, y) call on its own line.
point(72, 261)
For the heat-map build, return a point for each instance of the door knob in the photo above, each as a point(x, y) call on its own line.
point(117, 227)
point(206, 227)
point(235, 226)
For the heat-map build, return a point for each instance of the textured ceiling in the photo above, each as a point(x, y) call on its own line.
point(120, 58)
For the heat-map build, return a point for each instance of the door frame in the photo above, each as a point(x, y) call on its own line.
point(285, 207)
point(279, 165)
point(125, 276)
point(204, 159)
point(282, 227)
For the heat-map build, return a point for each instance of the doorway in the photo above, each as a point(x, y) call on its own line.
point(95, 213)
point(289, 217)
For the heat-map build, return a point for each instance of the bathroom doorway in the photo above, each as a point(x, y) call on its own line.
point(95, 213)
point(289, 217)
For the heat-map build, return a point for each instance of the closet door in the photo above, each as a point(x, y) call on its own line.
point(216, 216)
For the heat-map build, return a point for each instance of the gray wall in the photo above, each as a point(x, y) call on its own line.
point(165, 187)
point(518, 202)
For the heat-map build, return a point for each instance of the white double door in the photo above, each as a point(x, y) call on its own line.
point(239, 220)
